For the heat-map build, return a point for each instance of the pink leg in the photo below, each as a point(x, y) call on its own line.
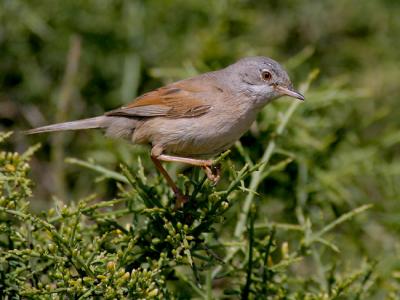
point(157, 156)
point(205, 164)
point(180, 198)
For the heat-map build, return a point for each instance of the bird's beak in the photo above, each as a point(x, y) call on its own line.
point(290, 92)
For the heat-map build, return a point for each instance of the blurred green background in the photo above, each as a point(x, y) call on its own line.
point(64, 60)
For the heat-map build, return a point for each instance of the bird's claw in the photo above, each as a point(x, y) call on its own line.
point(213, 173)
point(180, 200)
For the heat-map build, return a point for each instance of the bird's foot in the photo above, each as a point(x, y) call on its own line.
point(213, 172)
point(181, 199)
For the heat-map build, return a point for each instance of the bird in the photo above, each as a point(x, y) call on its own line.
point(192, 120)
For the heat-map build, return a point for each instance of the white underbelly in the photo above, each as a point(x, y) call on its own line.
point(194, 137)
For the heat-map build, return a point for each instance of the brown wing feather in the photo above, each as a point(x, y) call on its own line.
point(177, 100)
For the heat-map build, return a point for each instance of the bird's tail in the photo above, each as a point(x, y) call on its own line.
point(96, 122)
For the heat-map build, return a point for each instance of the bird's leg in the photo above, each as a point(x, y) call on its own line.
point(180, 198)
point(212, 172)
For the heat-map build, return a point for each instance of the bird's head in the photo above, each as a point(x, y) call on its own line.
point(262, 78)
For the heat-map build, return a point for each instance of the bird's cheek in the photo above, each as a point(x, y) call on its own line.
point(266, 95)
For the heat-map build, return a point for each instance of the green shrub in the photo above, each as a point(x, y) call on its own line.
point(138, 246)
point(288, 219)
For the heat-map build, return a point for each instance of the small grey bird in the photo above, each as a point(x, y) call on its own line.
point(196, 118)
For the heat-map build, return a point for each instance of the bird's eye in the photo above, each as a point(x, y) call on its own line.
point(265, 75)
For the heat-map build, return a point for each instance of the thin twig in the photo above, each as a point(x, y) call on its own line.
point(257, 175)
point(63, 101)
point(265, 275)
point(100, 169)
point(246, 289)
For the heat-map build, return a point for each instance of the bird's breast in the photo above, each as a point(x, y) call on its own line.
point(201, 136)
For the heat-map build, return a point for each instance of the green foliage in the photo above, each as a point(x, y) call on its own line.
point(308, 205)
point(137, 244)
point(84, 250)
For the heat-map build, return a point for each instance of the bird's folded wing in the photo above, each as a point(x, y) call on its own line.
point(178, 100)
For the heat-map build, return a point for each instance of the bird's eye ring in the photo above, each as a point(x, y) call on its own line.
point(266, 75)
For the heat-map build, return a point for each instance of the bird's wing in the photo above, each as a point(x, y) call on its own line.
point(177, 100)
